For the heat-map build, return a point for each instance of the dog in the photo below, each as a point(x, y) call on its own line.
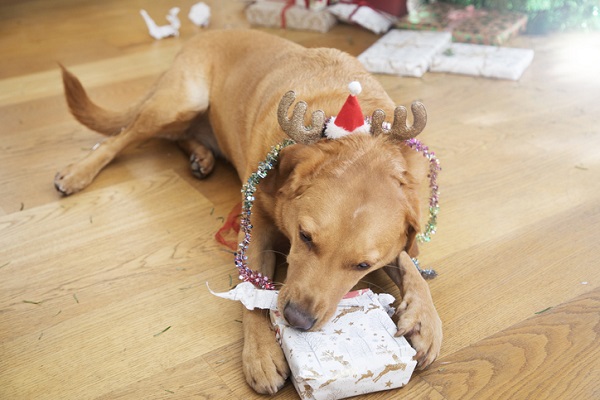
point(346, 207)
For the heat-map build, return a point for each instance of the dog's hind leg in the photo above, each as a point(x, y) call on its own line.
point(200, 145)
point(168, 112)
point(202, 159)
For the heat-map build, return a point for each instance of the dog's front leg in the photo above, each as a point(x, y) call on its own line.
point(265, 366)
point(264, 363)
point(418, 318)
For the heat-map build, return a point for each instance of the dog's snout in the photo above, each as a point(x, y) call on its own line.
point(297, 317)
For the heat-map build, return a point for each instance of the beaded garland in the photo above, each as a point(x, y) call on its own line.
point(249, 189)
point(434, 206)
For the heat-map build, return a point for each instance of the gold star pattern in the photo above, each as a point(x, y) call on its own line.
point(388, 384)
point(338, 331)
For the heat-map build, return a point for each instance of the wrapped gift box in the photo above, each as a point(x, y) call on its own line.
point(404, 52)
point(364, 15)
point(355, 353)
point(277, 14)
point(486, 61)
point(468, 25)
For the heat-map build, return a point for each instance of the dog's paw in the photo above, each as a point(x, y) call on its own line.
point(420, 323)
point(68, 181)
point(264, 364)
point(202, 164)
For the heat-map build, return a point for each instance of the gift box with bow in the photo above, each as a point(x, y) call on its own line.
point(288, 15)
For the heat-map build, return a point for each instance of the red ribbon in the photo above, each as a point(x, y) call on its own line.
point(289, 4)
point(358, 3)
point(230, 227)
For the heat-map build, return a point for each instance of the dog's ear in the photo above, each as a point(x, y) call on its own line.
point(295, 163)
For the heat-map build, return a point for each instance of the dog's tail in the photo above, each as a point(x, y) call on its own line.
point(89, 114)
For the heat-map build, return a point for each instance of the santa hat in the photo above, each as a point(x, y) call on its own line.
point(350, 119)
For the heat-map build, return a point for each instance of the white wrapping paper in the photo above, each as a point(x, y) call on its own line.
point(200, 14)
point(250, 296)
point(355, 353)
point(404, 52)
point(486, 61)
point(162, 31)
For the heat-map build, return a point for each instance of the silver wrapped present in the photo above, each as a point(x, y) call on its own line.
point(404, 52)
point(480, 60)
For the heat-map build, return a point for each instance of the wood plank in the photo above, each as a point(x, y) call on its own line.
point(492, 286)
point(191, 379)
point(226, 361)
point(102, 285)
point(74, 30)
point(554, 355)
point(48, 83)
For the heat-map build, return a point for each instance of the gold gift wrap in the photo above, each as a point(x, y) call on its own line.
point(355, 353)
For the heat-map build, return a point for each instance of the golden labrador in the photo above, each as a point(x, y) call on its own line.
point(347, 206)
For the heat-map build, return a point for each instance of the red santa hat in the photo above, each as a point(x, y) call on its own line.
point(350, 119)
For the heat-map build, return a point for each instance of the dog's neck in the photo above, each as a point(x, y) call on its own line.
point(250, 187)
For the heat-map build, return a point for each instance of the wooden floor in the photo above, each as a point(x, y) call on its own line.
point(102, 294)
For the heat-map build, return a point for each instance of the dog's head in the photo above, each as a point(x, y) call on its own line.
point(348, 207)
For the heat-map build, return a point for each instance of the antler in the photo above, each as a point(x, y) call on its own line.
point(399, 130)
point(294, 127)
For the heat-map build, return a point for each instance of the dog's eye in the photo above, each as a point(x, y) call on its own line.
point(306, 238)
point(363, 266)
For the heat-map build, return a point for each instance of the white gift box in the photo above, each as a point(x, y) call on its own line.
point(355, 353)
point(404, 52)
point(486, 61)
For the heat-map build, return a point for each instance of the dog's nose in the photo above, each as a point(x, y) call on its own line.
point(297, 317)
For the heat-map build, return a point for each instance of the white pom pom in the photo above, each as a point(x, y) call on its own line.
point(354, 88)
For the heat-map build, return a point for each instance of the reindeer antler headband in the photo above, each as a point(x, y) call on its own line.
point(399, 130)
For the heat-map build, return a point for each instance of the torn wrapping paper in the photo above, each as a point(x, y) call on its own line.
point(486, 61)
point(404, 52)
point(250, 296)
point(200, 14)
point(163, 31)
point(355, 353)
point(363, 15)
point(277, 14)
